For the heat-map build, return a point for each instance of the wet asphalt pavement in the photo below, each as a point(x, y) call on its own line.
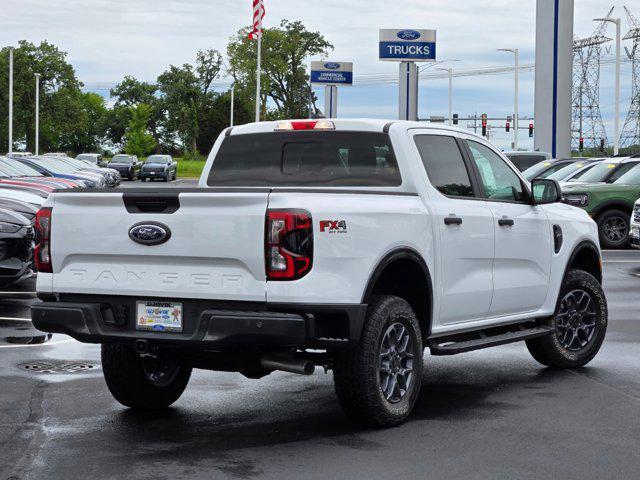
point(491, 414)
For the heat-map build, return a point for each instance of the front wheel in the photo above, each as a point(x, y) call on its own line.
point(579, 322)
point(143, 383)
point(377, 381)
point(613, 228)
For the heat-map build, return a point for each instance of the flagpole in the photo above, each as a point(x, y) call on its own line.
point(258, 75)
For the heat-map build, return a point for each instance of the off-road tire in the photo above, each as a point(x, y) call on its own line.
point(548, 350)
point(357, 369)
point(129, 384)
point(607, 242)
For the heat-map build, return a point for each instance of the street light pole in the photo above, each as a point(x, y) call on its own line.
point(616, 134)
point(37, 113)
point(516, 53)
point(450, 72)
point(233, 87)
point(10, 100)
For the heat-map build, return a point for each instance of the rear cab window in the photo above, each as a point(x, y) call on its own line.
point(306, 159)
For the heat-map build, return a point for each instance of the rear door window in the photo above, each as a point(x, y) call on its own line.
point(445, 165)
point(306, 159)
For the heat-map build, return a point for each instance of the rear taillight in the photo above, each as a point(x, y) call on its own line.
point(42, 251)
point(288, 244)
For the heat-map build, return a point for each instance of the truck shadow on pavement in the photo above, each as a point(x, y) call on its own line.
point(322, 418)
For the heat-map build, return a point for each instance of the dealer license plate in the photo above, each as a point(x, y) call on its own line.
point(159, 316)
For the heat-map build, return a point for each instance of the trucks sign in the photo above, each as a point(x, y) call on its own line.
point(332, 73)
point(407, 45)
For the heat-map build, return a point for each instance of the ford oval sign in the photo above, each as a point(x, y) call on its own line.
point(149, 233)
point(408, 35)
point(331, 66)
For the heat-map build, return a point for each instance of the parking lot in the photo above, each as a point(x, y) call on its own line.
point(489, 414)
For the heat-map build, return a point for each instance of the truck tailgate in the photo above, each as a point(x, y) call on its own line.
point(215, 249)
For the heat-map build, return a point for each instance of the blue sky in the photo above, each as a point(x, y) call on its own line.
point(107, 39)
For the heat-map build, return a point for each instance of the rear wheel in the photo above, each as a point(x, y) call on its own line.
point(377, 381)
point(144, 383)
point(580, 324)
point(613, 228)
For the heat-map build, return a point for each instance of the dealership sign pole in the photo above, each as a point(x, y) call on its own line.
point(407, 47)
point(554, 51)
point(331, 74)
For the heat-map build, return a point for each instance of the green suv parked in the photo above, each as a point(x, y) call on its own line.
point(609, 204)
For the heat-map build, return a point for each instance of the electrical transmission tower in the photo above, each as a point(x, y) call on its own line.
point(630, 135)
point(586, 119)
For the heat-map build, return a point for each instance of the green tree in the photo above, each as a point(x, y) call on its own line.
point(138, 139)
point(129, 93)
point(88, 131)
point(214, 117)
point(61, 101)
point(285, 51)
point(186, 91)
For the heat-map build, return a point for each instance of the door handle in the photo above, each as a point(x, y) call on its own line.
point(452, 221)
point(505, 222)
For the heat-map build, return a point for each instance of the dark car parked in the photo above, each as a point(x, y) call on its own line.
point(127, 165)
point(523, 160)
point(16, 247)
point(159, 166)
point(25, 209)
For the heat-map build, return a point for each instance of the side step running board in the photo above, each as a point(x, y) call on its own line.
point(467, 342)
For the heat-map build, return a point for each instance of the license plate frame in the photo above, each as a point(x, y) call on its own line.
point(159, 316)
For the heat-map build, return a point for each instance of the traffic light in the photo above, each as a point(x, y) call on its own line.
point(484, 124)
point(455, 119)
point(507, 127)
point(602, 144)
point(531, 130)
point(581, 144)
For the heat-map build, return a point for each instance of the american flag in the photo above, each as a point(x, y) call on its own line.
point(258, 15)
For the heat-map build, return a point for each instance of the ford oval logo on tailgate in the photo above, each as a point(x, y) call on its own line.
point(149, 233)
point(408, 35)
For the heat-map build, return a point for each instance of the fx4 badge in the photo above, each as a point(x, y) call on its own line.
point(333, 226)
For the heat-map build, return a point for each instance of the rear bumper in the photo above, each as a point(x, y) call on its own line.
point(207, 325)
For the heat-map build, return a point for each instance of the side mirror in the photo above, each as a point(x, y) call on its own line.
point(545, 190)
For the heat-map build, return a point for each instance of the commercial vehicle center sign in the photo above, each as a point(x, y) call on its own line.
point(407, 45)
point(332, 73)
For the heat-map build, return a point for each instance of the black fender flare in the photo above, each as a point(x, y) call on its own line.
point(403, 253)
point(588, 245)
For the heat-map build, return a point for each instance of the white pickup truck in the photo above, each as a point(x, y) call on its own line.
point(347, 244)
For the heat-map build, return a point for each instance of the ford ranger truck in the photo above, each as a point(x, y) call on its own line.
point(352, 245)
